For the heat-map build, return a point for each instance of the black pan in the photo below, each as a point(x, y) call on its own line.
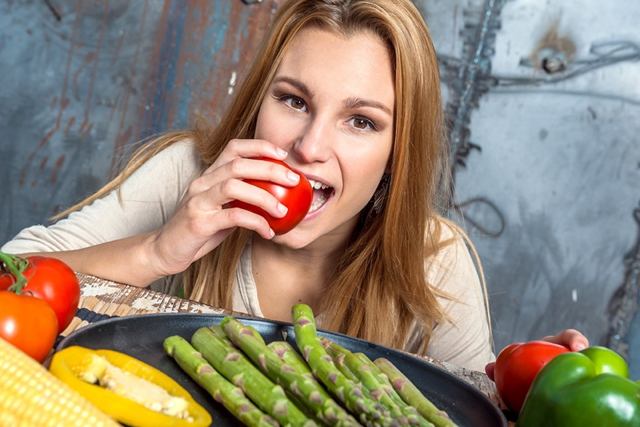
point(142, 337)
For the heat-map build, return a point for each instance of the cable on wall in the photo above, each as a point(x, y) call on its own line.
point(471, 79)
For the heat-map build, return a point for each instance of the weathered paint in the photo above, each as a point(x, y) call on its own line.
point(102, 77)
point(199, 45)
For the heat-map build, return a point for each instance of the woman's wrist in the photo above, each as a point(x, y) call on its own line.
point(149, 263)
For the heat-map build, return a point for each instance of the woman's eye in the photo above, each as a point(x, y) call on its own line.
point(363, 123)
point(294, 102)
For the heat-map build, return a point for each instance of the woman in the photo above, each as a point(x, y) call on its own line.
point(347, 93)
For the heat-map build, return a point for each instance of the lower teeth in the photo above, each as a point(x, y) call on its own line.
point(318, 202)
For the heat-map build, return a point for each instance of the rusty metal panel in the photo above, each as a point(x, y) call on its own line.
point(82, 81)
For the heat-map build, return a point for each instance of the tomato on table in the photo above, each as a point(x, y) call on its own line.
point(297, 199)
point(28, 323)
point(46, 278)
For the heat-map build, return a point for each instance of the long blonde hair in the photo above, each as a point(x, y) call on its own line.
point(379, 287)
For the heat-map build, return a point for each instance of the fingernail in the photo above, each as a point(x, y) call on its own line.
point(579, 346)
point(272, 233)
point(282, 208)
point(281, 152)
point(293, 177)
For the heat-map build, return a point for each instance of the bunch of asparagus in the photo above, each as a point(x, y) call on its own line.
point(272, 384)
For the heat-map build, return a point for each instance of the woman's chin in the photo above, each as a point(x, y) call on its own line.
point(297, 238)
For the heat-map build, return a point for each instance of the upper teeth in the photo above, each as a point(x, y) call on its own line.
point(317, 185)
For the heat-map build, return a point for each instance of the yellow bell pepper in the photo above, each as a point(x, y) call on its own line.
point(76, 366)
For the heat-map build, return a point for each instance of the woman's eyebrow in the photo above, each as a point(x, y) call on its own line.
point(295, 83)
point(350, 103)
point(353, 103)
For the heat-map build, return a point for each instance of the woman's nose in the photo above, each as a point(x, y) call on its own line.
point(314, 144)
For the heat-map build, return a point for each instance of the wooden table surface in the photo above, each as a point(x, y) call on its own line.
point(103, 299)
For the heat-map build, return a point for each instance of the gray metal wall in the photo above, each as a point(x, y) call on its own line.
point(548, 178)
point(548, 199)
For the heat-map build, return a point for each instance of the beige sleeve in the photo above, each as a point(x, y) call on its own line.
point(148, 198)
point(465, 340)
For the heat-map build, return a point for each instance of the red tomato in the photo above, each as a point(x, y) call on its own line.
point(53, 281)
point(28, 323)
point(517, 366)
point(297, 199)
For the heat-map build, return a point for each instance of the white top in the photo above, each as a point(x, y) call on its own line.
point(144, 206)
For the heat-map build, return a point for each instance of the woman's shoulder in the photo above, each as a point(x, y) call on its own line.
point(175, 164)
point(449, 264)
point(444, 238)
point(184, 152)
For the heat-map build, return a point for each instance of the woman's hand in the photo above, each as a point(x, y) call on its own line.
point(570, 338)
point(203, 220)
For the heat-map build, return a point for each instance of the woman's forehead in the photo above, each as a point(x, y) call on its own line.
point(355, 63)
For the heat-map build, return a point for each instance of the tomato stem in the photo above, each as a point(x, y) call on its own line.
point(16, 266)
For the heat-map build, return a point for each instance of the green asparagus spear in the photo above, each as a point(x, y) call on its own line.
point(218, 330)
point(338, 360)
point(291, 357)
point(351, 394)
point(303, 388)
point(383, 379)
point(388, 387)
point(240, 371)
point(284, 351)
point(384, 382)
point(230, 396)
point(410, 394)
point(406, 414)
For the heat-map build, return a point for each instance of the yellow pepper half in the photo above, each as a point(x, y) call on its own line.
point(74, 363)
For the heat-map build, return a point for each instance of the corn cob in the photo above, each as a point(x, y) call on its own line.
point(31, 396)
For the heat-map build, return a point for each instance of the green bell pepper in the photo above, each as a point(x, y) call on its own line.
point(586, 388)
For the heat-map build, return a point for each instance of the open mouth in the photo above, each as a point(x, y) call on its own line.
point(321, 193)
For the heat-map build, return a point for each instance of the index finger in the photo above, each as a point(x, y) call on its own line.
point(248, 149)
point(571, 338)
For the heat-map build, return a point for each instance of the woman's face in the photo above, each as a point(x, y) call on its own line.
point(331, 106)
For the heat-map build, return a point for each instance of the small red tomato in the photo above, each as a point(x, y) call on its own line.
point(517, 366)
point(297, 199)
point(52, 281)
point(28, 323)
